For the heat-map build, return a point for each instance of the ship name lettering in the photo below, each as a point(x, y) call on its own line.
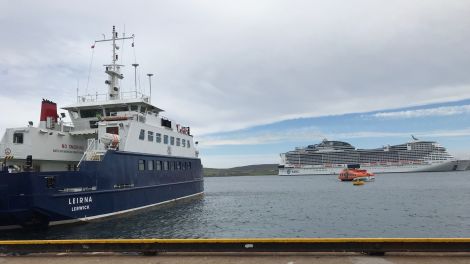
point(80, 208)
point(75, 147)
point(80, 200)
point(70, 146)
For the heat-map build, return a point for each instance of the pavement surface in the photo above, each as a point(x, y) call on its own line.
point(285, 258)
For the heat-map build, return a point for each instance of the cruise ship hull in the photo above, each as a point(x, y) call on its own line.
point(100, 189)
point(454, 165)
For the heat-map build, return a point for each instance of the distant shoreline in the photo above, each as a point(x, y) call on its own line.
point(250, 170)
point(222, 176)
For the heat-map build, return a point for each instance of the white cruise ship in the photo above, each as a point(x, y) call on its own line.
point(330, 157)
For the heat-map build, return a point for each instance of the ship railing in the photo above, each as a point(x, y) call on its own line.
point(92, 97)
point(65, 126)
point(92, 153)
point(134, 95)
point(98, 97)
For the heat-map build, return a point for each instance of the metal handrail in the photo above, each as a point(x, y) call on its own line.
point(102, 97)
point(91, 145)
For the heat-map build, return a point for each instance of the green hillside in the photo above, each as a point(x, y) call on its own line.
point(251, 170)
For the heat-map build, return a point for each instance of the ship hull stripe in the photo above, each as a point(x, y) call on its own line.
point(85, 219)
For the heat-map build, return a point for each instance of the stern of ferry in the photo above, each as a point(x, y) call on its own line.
point(16, 200)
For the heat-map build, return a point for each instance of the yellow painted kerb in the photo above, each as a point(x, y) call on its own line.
point(236, 240)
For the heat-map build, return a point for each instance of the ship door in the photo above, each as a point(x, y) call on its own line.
point(112, 130)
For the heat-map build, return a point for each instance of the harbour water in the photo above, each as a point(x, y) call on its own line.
point(395, 205)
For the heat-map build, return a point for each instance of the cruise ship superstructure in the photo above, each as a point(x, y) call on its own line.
point(119, 154)
point(330, 157)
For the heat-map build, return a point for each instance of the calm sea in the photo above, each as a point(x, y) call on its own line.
point(395, 205)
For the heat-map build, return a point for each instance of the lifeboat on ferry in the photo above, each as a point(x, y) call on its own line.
point(110, 140)
point(350, 174)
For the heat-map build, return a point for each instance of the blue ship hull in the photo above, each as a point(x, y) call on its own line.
point(115, 185)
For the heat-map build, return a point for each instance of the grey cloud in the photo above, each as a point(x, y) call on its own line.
point(224, 65)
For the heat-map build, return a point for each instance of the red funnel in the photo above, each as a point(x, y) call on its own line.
point(48, 109)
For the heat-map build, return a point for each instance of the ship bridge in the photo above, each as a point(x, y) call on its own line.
point(85, 115)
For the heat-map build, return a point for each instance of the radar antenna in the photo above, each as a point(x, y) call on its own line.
point(114, 70)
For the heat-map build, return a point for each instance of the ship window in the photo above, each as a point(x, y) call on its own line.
point(170, 165)
point(74, 114)
point(189, 165)
point(150, 165)
point(183, 166)
point(18, 138)
point(88, 113)
point(158, 137)
point(178, 140)
point(172, 141)
point(165, 139)
point(166, 123)
point(178, 166)
point(142, 134)
point(183, 142)
point(141, 165)
point(112, 130)
point(134, 108)
point(93, 123)
point(113, 111)
point(159, 165)
point(150, 135)
point(50, 182)
point(165, 165)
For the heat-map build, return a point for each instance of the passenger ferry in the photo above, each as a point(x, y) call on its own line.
point(119, 154)
point(331, 157)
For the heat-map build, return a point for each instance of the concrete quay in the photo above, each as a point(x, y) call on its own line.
point(243, 258)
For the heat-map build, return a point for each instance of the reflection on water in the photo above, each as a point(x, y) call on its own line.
point(395, 205)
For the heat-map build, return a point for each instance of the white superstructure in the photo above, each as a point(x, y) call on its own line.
point(136, 125)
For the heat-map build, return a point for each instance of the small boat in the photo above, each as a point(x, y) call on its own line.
point(365, 179)
point(350, 174)
point(357, 181)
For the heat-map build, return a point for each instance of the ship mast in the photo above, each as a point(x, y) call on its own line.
point(114, 70)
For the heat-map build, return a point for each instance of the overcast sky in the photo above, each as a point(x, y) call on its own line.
point(233, 65)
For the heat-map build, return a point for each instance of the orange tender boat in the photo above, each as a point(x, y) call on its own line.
point(350, 174)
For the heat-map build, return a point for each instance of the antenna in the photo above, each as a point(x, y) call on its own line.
point(135, 75)
point(114, 70)
point(150, 83)
point(78, 85)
